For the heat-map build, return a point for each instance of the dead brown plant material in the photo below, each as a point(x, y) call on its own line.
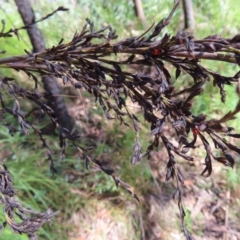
point(85, 64)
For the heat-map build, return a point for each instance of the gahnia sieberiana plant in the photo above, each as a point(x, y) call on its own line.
point(95, 61)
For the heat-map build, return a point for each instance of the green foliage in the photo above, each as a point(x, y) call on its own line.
point(233, 177)
point(36, 188)
point(188, 220)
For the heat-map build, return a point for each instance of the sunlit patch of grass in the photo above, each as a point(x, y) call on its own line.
point(104, 220)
